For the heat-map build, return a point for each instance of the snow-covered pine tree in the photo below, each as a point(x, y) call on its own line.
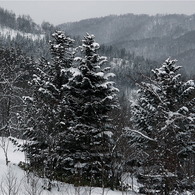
point(164, 118)
point(90, 139)
point(46, 109)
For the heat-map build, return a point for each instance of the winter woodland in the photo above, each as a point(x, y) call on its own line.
point(79, 117)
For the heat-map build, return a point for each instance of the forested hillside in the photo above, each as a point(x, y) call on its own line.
point(23, 32)
point(153, 37)
point(21, 23)
point(127, 66)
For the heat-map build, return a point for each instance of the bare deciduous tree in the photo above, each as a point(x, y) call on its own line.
point(32, 186)
point(4, 145)
point(10, 185)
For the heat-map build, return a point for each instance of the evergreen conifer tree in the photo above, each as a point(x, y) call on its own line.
point(164, 119)
point(46, 118)
point(67, 116)
point(90, 136)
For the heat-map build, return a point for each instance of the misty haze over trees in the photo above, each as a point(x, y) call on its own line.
point(153, 37)
point(92, 109)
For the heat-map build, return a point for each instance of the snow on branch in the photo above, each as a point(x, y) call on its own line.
point(141, 134)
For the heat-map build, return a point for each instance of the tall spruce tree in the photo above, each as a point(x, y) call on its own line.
point(67, 116)
point(164, 118)
point(89, 141)
point(46, 109)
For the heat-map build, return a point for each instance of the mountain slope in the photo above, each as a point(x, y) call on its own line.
point(7, 32)
point(154, 37)
point(132, 27)
point(21, 23)
point(12, 26)
point(22, 32)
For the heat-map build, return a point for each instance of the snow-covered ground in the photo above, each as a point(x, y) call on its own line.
point(17, 182)
point(5, 32)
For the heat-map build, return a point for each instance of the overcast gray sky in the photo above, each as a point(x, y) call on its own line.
point(57, 12)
